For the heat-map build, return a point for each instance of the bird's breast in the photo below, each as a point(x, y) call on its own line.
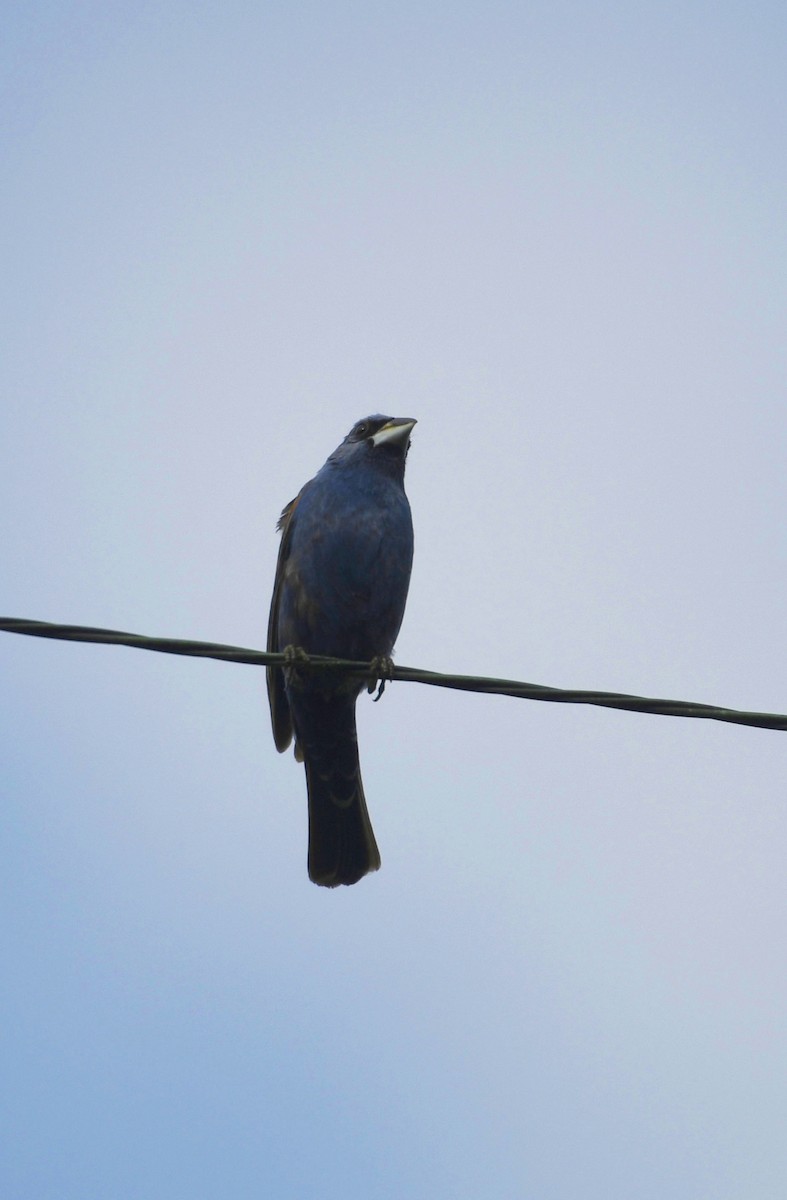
point(347, 575)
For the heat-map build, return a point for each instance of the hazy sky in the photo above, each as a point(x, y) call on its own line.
point(555, 234)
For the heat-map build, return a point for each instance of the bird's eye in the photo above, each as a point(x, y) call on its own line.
point(361, 429)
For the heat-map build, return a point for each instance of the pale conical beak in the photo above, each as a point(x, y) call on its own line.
point(396, 430)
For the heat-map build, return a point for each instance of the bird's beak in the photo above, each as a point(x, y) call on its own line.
point(396, 431)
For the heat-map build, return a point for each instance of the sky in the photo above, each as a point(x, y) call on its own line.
point(555, 234)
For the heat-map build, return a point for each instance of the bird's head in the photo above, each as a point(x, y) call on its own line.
point(384, 440)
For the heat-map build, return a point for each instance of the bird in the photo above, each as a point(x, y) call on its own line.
point(342, 577)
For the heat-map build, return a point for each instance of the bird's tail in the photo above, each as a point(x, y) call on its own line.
point(342, 846)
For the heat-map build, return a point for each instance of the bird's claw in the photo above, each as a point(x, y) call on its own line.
point(380, 671)
point(293, 656)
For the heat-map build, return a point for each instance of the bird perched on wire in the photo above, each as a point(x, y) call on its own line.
point(341, 586)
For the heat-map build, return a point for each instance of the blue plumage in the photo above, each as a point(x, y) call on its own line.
point(341, 587)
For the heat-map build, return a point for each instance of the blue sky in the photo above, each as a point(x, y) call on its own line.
point(556, 236)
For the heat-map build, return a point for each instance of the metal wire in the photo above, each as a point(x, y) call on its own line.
point(465, 683)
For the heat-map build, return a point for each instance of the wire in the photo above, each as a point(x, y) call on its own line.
point(465, 683)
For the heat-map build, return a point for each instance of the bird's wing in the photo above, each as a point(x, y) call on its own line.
point(281, 718)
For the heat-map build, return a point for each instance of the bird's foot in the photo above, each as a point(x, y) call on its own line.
point(293, 656)
point(380, 671)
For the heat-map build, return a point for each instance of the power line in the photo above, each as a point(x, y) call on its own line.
point(464, 683)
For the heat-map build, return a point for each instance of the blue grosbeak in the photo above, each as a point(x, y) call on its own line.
point(341, 585)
